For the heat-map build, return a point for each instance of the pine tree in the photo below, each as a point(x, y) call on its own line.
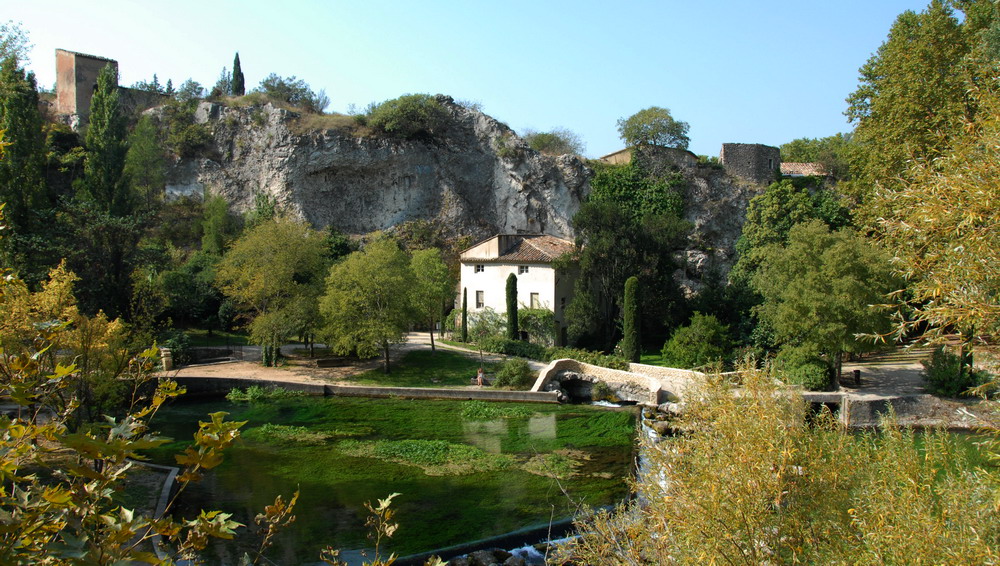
point(238, 85)
point(512, 333)
point(104, 180)
point(631, 348)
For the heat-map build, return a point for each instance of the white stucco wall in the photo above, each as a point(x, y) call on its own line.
point(492, 281)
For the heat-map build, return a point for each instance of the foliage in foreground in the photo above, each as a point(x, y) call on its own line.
point(752, 485)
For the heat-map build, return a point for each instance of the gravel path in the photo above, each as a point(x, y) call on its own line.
point(304, 370)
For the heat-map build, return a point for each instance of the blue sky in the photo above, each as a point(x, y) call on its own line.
point(736, 71)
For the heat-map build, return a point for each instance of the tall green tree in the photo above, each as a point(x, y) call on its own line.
point(511, 295)
point(368, 303)
point(22, 185)
point(911, 96)
point(145, 165)
point(630, 225)
point(275, 273)
point(631, 341)
point(219, 225)
point(820, 289)
point(104, 181)
point(238, 84)
point(943, 235)
point(654, 126)
point(435, 287)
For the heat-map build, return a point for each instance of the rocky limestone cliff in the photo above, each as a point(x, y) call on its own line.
point(475, 178)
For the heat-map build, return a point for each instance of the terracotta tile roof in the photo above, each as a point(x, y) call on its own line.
point(518, 248)
point(803, 169)
point(536, 249)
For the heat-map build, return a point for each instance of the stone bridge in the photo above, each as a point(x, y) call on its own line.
point(642, 384)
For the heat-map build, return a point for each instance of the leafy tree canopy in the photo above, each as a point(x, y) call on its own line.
point(821, 289)
point(368, 302)
point(558, 141)
point(832, 152)
point(942, 232)
point(14, 42)
point(703, 341)
point(654, 126)
point(912, 94)
point(275, 271)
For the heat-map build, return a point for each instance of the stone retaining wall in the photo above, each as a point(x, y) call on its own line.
point(218, 387)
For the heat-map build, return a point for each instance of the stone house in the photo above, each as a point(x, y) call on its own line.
point(486, 266)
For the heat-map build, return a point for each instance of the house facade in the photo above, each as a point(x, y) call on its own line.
point(486, 266)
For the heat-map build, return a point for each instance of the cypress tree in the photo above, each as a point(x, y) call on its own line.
point(238, 84)
point(631, 342)
point(512, 333)
point(465, 315)
point(104, 181)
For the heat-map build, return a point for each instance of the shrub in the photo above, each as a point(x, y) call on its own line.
point(802, 365)
point(601, 391)
point(180, 346)
point(517, 348)
point(942, 373)
point(539, 324)
point(486, 323)
point(587, 357)
point(411, 116)
point(295, 92)
point(184, 136)
point(515, 373)
point(703, 341)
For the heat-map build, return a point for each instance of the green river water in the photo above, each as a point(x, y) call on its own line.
point(461, 477)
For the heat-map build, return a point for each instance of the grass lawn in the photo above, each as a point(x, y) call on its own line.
point(652, 359)
point(423, 368)
point(200, 338)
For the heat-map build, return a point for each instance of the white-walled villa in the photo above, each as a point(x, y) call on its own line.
point(486, 265)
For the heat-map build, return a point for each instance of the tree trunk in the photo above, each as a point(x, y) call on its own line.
point(838, 365)
point(385, 351)
point(432, 336)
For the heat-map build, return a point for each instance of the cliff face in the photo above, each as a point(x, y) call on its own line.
point(476, 177)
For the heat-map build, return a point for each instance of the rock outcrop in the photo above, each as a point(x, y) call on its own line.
point(476, 177)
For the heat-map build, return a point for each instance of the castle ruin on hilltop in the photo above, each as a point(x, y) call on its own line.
point(76, 81)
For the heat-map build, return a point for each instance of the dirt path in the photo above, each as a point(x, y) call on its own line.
point(298, 369)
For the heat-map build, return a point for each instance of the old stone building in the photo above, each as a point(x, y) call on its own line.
point(754, 162)
point(76, 81)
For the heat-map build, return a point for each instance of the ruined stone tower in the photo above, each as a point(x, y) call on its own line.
point(754, 162)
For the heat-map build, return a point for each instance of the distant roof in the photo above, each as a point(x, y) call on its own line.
point(99, 58)
point(803, 170)
point(525, 248)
